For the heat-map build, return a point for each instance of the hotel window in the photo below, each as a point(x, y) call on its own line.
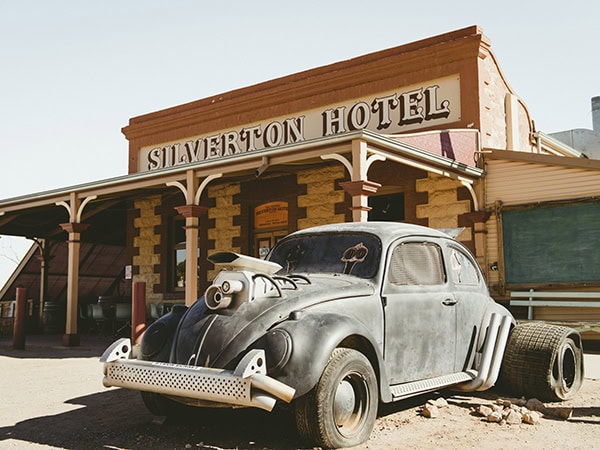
point(387, 208)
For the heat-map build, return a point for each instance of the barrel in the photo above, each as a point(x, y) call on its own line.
point(54, 317)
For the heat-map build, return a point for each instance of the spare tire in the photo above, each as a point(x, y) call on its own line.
point(543, 361)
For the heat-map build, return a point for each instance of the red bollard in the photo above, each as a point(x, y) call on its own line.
point(138, 314)
point(20, 316)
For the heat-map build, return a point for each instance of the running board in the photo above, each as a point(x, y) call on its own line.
point(405, 390)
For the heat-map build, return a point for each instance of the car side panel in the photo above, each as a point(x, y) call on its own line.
point(315, 335)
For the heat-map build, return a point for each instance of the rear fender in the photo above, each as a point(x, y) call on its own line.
point(314, 337)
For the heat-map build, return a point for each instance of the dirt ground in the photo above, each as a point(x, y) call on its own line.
point(52, 397)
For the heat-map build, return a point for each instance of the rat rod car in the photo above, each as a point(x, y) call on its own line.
point(337, 319)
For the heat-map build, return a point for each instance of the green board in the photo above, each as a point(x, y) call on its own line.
point(558, 244)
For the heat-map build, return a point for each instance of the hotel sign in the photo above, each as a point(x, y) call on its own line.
point(433, 103)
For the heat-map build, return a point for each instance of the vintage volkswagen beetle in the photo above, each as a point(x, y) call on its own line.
point(337, 319)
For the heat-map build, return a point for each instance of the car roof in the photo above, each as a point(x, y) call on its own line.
point(385, 230)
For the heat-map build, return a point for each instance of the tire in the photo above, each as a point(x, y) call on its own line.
point(340, 411)
point(160, 405)
point(543, 361)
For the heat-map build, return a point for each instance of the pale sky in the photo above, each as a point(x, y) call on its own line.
point(72, 73)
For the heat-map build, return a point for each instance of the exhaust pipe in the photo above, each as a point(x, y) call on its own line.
point(501, 342)
point(492, 355)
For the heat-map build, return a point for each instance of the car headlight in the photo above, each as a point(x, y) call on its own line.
point(154, 339)
point(277, 345)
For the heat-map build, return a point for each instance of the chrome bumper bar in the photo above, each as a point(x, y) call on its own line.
point(247, 385)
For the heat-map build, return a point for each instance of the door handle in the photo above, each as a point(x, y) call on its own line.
point(449, 302)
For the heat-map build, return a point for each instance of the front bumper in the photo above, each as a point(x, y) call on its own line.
point(247, 385)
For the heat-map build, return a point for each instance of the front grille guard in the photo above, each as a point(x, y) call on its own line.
point(247, 385)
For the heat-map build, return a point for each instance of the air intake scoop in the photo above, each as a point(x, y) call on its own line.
point(235, 261)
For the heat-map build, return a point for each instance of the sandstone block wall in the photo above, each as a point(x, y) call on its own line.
point(443, 206)
point(223, 214)
point(322, 196)
point(146, 244)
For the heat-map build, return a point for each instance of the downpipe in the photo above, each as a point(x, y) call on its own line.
point(492, 354)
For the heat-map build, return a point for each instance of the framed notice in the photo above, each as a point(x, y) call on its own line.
point(271, 215)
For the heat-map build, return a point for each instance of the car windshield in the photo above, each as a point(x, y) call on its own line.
point(350, 253)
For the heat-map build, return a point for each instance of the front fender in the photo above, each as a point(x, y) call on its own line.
point(158, 338)
point(314, 337)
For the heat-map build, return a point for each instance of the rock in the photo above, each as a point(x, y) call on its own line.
point(534, 404)
point(503, 402)
point(563, 413)
point(498, 408)
point(513, 417)
point(483, 410)
point(531, 417)
point(495, 416)
point(430, 411)
point(159, 420)
point(440, 402)
point(520, 401)
point(512, 401)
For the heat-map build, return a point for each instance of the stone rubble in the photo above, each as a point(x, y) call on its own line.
point(431, 409)
point(504, 411)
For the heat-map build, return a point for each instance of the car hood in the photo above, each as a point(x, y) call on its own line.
point(215, 338)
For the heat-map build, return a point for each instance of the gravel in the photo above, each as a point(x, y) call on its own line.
point(52, 397)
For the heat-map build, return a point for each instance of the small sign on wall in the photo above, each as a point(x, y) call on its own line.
point(269, 215)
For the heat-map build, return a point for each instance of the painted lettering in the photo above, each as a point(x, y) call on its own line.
point(192, 151)
point(432, 109)
point(410, 109)
point(294, 130)
point(230, 143)
point(359, 116)
point(383, 106)
point(250, 135)
point(273, 134)
point(154, 159)
point(392, 111)
point(333, 121)
point(213, 147)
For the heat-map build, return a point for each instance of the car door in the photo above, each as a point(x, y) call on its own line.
point(420, 313)
point(471, 294)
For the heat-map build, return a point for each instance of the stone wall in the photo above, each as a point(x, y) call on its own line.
point(223, 214)
point(443, 206)
point(323, 194)
point(146, 245)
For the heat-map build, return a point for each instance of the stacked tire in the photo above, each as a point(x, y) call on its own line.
point(543, 361)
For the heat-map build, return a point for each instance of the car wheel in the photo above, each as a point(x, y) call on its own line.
point(341, 409)
point(160, 405)
point(543, 361)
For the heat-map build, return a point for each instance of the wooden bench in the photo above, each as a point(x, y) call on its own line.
point(534, 299)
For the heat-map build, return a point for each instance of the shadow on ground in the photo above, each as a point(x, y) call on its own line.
point(50, 347)
point(117, 418)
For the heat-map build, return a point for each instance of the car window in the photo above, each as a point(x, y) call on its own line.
point(462, 269)
point(417, 263)
point(355, 254)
